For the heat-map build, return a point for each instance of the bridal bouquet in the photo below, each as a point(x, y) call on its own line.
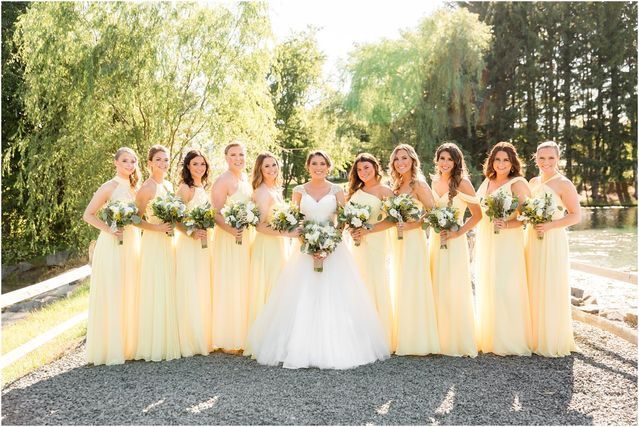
point(538, 211)
point(499, 205)
point(319, 239)
point(286, 217)
point(170, 209)
point(117, 214)
point(240, 215)
point(401, 208)
point(445, 218)
point(201, 217)
point(354, 215)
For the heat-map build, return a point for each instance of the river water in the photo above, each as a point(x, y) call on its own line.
point(606, 237)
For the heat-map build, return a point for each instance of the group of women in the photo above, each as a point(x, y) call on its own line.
point(158, 297)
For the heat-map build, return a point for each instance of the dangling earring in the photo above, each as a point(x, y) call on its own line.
point(512, 170)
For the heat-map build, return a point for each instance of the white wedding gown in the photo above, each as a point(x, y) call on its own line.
point(325, 320)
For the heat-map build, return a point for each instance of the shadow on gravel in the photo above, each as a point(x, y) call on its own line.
point(225, 389)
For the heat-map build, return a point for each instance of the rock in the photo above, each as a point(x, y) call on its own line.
point(590, 308)
point(631, 319)
point(58, 258)
point(589, 300)
point(577, 292)
point(24, 266)
point(8, 269)
point(609, 314)
point(576, 301)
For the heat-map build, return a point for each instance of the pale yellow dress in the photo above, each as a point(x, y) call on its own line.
point(548, 287)
point(193, 288)
point(268, 256)
point(230, 266)
point(373, 258)
point(158, 337)
point(416, 326)
point(503, 312)
point(452, 286)
point(113, 296)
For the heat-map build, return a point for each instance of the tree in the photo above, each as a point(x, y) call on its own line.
point(101, 75)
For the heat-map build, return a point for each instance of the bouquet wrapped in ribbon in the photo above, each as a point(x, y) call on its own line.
point(202, 218)
point(319, 239)
point(401, 208)
point(286, 217)
point(354, 215)
point(170, 209)
point(445, 218)
point(499, 205)
point(240, 215)
point(118, 214)
point(538, 210)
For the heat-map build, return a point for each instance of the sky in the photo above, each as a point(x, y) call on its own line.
point(347, 23)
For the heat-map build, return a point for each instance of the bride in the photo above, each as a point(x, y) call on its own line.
point(325, 320)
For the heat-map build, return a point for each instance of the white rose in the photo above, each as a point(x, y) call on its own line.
point(250, 217)
point(356, 222)
point(442, 222)
point(394, 213)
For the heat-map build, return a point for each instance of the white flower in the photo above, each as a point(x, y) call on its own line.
point(356, 222)
point(539, 212)
point(250, 217)
point(394, 213)
point(114, 209)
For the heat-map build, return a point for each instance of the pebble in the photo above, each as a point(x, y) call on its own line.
point(596, 385)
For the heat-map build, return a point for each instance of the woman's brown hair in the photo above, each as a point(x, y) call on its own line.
point(354, 182)
point(258, 178)
point(459, 171)
point(320, 153)
point(509, 149)
point(185, 174)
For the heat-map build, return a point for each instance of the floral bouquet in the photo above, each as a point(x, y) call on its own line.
point(117, 214)
point(499, 205)
point(170, 209)
point(240, 215)
point(401, 208)
point(319, 239)
point(354, 215)
point(286, 217)
point(445, 218)
point(538, 211)
point(201, 217)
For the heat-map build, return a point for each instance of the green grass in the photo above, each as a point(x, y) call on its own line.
point(38, 322)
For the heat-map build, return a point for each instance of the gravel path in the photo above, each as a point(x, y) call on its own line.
point(598, 385)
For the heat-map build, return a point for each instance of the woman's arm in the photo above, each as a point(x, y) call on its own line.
point(100, 197)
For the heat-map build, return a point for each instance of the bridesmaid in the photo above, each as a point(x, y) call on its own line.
point(502, 290)
point(372, 256)
point(547, 260)
point(193, 264)
point(268, 253)
point(230, 263)
point(112, 325)
point(450, 267)
point(416, 327)
point(158, 337)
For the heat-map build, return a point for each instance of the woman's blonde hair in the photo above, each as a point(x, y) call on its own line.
point(135, 177)
point(416, 168)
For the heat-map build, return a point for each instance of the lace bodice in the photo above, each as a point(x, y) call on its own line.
point(320, 210)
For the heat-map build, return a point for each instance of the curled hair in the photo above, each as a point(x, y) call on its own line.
point(416, 171)
point(509, 149)
point(185, 174)
point(258, 177)
point(134, 178)
point(354, 181)
point(233, 144)
point(548, 144)
point(459, 171)
point(320, 153)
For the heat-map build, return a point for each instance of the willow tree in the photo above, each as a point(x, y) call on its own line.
point(423, 87)
point(101, 75)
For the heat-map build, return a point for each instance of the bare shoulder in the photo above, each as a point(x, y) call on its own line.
point(534, 180)
point(466, 186)
point(421, 185)
point(148, 187)
point(261, 194)
point(385, 191)
point(107, 187)
point(566, 184)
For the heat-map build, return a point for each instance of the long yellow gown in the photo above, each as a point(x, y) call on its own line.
point(158, 337)
point(268, 256)
point(416, 326)
point(548, 287)
point(502, 292)
point(193, 288)
point(231, 282)
point(113, 296)
point(373, 258)
point(452, 286)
